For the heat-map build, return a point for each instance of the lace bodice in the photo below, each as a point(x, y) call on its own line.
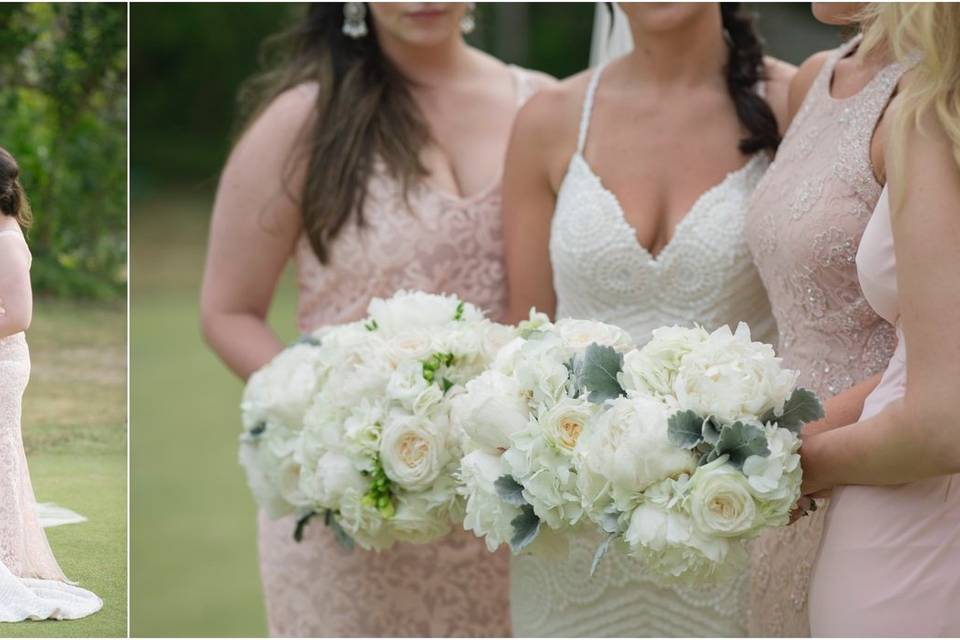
point(704, 275)
point(804, 226)
point(441, 243)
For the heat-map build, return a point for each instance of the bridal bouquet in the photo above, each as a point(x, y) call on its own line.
point(522, 420)
point(697, 450)
point(352, 424)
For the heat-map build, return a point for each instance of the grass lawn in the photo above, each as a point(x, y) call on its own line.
point(193, 532)
point(74, 427)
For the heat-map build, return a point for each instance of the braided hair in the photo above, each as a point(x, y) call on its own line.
point(744, 70)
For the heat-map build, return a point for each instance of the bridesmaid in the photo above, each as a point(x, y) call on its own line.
point(374, 161)
point(889, 563)
point(803, 227)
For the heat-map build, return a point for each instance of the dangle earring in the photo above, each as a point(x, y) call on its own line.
point(354, 19)
point(469, 21)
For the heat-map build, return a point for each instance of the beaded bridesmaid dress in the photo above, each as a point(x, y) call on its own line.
point(889, 563)
point(32, 586)
point(804, 226)
point(454, 587)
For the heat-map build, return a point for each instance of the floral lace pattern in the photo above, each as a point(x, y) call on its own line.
point(23, 544)
point(704, 275)
point(804, 227)
point(455, 587)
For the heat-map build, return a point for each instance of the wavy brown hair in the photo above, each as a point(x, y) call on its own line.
point(364, 112)
point(13, 199)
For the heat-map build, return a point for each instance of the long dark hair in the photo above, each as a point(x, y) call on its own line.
point(13, 199)
point(745, 68)
point(364, 111)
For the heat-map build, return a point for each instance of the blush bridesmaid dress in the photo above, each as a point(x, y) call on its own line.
point(803, 227)
point(454, 587)
point(889, 562)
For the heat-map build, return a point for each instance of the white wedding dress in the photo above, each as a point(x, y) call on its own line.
point(601, 272)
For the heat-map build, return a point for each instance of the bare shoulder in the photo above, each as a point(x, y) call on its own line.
point(778, 76)
point(555, 108)
point(287, 114)
point(539, 79)
point(803, 79)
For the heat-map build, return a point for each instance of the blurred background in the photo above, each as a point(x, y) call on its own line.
point(63, 115)
point(193, 529)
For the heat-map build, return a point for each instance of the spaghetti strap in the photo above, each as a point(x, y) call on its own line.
point(588, 107)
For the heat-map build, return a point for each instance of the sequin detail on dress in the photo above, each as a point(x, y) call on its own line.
point(804, 226)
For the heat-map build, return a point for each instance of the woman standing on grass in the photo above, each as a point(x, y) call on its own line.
point(32, 586)
point(374, 163)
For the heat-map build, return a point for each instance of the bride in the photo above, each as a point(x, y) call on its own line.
point(32, 586)
point(624, 202)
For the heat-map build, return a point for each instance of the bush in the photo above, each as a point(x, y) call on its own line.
point(63, 115)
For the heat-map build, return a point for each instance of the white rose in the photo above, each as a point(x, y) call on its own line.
point(720, 501)
point(579, 334)
point(487, 516)
point(563, 423)
point(492, 409)
point(411, 344)
point(731, 378)
point(413, 452)
point(281, 391)
point(627, 446)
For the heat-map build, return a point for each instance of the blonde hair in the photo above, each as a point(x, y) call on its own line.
point(926, 37)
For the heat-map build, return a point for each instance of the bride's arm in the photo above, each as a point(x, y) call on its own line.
point(528, 203)
point(919, 436)
point(255, 224)
point(16, 297)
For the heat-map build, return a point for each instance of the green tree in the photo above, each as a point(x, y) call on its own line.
point(63, 105)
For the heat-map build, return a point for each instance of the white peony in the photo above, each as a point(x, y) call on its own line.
point(580, 334)
point(492, 410)
point(407, 309)
point(731, 378)
point(487, 516)
point(627, 450)
point(720, 502)
point(281, 391)
point(413, 451)
point(651, 369)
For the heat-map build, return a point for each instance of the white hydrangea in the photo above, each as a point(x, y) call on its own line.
point(487, 516)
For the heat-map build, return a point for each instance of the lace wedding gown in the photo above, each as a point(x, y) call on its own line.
point(601, 272)
point(32, 586)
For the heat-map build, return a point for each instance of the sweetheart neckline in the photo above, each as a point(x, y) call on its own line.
point(657, 259)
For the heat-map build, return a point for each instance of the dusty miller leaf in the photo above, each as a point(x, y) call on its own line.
point(598, 371)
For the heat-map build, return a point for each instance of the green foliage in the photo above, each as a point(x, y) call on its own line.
point(526, 526)
point(685, 429)
point(63, 115)
point(597, 373)
point(801, 407)
point(740, 441)
point(510, 491)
